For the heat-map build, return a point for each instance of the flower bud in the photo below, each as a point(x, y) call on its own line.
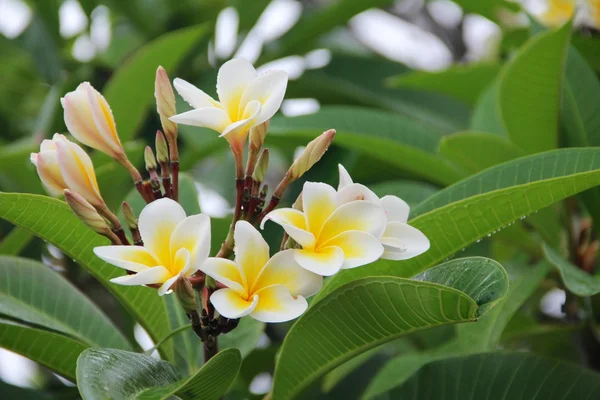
point(185, 293)
point(298, 203)
point(89, 119)
point(257, 135)
point(162, 149)
point(149, 159)
point(313, 153)
point(261, 166)
point(46, 163)
point(128, 214)
point(86, 212)
point(165, 103)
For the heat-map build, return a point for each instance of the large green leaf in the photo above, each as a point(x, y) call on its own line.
point(576, 280)
point(55, 351)
point(486, 114)
point(410, 191)
point(244, 337)
point(130, 91)
point(530, 88)
point(464, 83)
point(29, 292)
point(340, 327)
point(117, 374)
point(53, 221)
point(486, 202)
point(499, 376)
point(395, 139)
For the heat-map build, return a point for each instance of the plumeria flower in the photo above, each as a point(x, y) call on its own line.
point(400, 240)
point(268, 289)
point(62, 164)
point(174, 247)
point(90, 120)
point(333, 234)
point(246, 99)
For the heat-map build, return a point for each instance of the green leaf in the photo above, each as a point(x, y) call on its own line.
point(486, 114)
point(29, 292)
point(392, 138)
point(498, 376)
point(340, 327)
point(130, 91)
point(529, 91)
point(211, 382)
point(486, 202)
point(576, 280)
point(411, 192)
point(54, 351)
point(588, 47)
point(15, 241)
point(244, 337)
point(138, 376)
point(52, 220)
point(16, 171)
point(476, 151)
point(187, 346)
point(464, 83)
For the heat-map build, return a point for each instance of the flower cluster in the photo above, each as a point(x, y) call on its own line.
point(326, 230)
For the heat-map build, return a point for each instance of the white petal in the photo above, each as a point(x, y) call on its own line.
point(293, 221)
point(232, 80)
point(326, 262)
point(251, 251)
point(212, 118)
point(413, 240)
point(193, 96)
point(237, 132)
point(318, 203)
point(396, 209)
point(193, 234)
point(345, 178)
point(283, 269)
point(146, 277)
point(132, 258)
point(359, 248)
point(230, 304)
point(166, 287)
point(276, 304)
point(108, 139)
point(156, 223)
point(269, 89)
point(360, 215)
point(181, 263)
point(46, 163)
point(225, 271)
point(356, 191)
point(78, 172)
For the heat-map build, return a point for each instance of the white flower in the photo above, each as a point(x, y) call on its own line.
point(400, 240)
point(334, 234)
point(269, 290)
point(174, 246)
point(245, 100)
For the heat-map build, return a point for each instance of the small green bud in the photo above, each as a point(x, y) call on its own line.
point(257, 136)
point(311, 154)
point(86, 212)
point(129, 216)
point(298, 203)
point(149, 159)
point(261, 166)
point(185, 293)
point(162, 149)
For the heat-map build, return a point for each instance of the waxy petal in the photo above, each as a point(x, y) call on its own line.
point(166, 286)
point(360, 248)
point(194, 96)
point(132, 258)
point(402, 241)
point(268, 88)
point(104, 121)
point(156, 224)
point(251, 251)
point(396, 209)
point(326, 261)
point(237, 132)
point(48, 170)
point(283, 269)
point(294, 223)
point(227, 272)
point(362, 216)
point(230, 304)
point(232, 80)
point(356, 191)
point(318, 203)
point(345, 178)
point(276, 304)
point(78, 172)
point(146, 277)
point(193, 234)
point(212, 118)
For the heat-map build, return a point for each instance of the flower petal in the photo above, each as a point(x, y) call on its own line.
point(251, 251)
point(318, 203)
point(359, 215)
point(181, 263)
point(283, 269)
point(46, 163)
point(326, 262)
point(269, 89)
point(413, 242)
point(356, 191)
point(359, 248)
point(237, 132)
point(146, 277)
point(193, 234)
point(225, 271)
point(194, 96)
point(345, 178)
point(294, 223)
point(166, 286)
point(396, 209)
point(77, 171)
point(276, 304)
point(132, 258)
point(156, 223)
point(105, 122)
point(212, 118)
point(232, 80)
point(230, 304)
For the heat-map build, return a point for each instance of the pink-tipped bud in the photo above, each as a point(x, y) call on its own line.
point(311, 154)
point(149, 159)
point(165, 103)
point(162, 148)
